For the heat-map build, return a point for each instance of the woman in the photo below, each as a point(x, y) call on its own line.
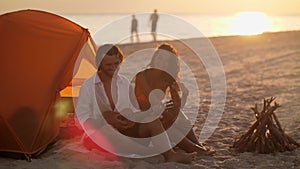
point(163, 74)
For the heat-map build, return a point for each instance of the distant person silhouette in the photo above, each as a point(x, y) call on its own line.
point(134, 29)
point(153, 19)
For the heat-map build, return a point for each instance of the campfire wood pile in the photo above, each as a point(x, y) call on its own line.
point(266, 134)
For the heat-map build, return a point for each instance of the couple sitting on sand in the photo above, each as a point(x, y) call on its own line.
point(104, 97)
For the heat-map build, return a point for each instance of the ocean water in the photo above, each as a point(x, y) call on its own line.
point(116, 27)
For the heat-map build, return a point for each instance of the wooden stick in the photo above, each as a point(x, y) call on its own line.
point(266, 134)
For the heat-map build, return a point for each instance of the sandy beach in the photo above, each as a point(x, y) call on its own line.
point(256, 67)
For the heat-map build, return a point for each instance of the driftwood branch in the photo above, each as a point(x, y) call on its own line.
point(266, 134)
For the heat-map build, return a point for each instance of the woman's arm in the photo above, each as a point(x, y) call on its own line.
point(185, 93)
point(142, 90)
point(174, 92)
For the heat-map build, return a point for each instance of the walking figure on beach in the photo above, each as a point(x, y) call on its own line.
point(134, 29)
point(153, 19)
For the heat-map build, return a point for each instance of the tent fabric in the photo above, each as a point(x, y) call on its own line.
point(38, 52)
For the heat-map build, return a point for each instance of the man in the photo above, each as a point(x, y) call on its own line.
point(153, 19)
point(134, 29)
point(102, 98)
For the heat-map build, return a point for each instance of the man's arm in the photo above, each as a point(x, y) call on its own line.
point(84, 110)
point(84, 105)
point(116, 120)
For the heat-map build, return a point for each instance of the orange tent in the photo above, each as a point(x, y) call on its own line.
point(38, 52)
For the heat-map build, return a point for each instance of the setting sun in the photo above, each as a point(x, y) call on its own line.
point(249, 23)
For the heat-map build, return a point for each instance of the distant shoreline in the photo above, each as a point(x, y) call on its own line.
point(218, 37)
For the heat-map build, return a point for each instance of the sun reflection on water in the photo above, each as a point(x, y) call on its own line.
point(249, 23)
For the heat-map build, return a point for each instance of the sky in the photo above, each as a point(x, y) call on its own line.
point(276, 7)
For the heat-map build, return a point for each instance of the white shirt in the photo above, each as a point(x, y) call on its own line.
point(91, 105)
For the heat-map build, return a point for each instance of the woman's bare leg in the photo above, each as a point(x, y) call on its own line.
point(187, 144)
point(191, 143)
point(192, 136)
point(154, 128)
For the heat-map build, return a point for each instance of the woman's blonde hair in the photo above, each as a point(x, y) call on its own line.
point(167, 49)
